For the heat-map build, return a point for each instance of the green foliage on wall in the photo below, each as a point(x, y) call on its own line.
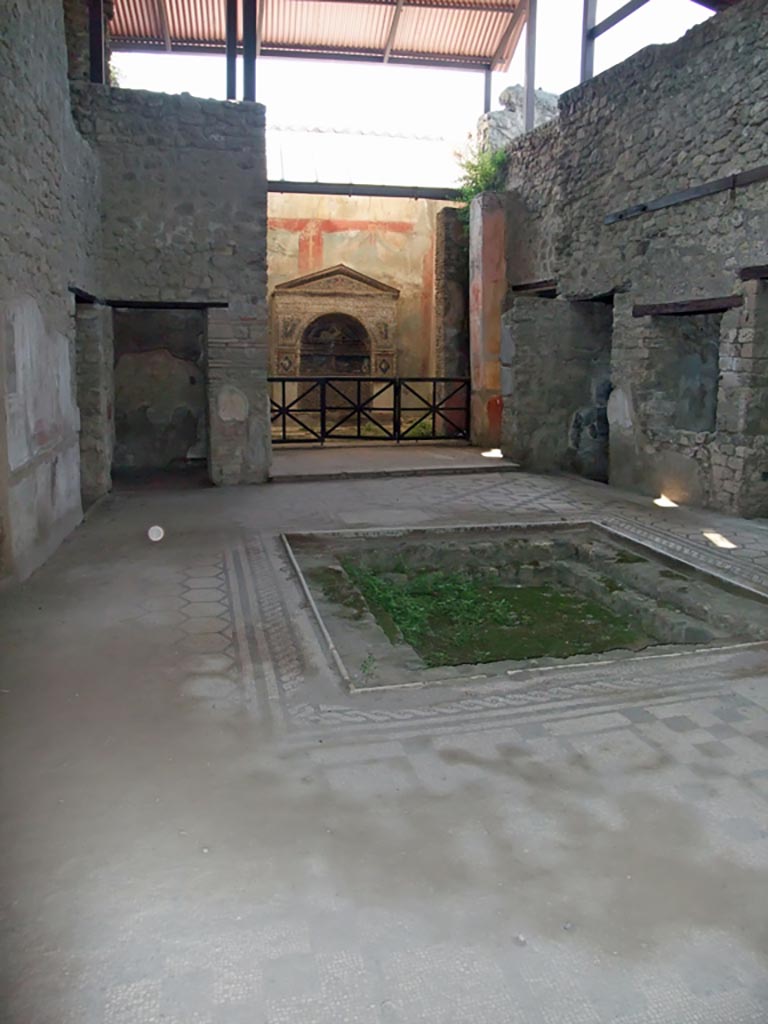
point(482, 170)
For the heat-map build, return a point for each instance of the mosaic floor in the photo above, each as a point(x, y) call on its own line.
point(203, 827)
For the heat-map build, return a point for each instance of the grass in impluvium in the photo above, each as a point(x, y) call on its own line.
point(457, 618)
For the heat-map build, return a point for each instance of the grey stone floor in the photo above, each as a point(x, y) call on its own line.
point(201, 827)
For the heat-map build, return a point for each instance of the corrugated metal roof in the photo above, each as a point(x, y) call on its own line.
point(441, 32)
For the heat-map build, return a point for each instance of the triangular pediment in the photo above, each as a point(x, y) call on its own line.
point(338, 280)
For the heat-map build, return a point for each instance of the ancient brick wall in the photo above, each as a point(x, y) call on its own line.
point(184, 220)
point(670, 118)
point(49, 232)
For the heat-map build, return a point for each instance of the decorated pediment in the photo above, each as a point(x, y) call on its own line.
point(338, 280)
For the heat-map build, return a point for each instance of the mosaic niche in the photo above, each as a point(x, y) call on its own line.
point(333, 323)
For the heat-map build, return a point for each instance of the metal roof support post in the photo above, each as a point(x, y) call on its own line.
point(249, 50)
point(96, 41)
point(588, 40)
point(487, 100)
point(530, 66)
point(231, 29)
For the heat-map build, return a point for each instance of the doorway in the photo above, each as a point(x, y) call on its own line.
point(160, 391)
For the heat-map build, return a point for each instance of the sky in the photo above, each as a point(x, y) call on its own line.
point(379, 124)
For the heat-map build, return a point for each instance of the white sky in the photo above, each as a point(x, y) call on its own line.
point(360, 106)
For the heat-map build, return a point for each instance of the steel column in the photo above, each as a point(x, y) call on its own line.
point(588, 40)
point(231, 30)
point(487, 97)
point(530, 66)
point(249, 50)
point(96, 41)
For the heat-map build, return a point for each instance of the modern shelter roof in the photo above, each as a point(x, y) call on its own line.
point(481, 34)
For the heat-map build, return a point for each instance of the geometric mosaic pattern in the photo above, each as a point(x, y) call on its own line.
point(568, 845)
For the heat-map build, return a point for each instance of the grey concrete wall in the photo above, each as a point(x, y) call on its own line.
point(49, 231)
point(184, 220)
point(669, 118)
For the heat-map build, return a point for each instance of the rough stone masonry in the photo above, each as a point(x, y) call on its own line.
point(115, 196)
point(668, 119)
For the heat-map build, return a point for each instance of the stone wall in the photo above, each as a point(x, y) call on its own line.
point(140, 197)
point(534, 205)
point(49, 232)
point(670, 118)
point(184, 220)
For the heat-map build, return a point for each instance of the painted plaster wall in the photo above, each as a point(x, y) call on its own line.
point(391, 240)
point(49, 233)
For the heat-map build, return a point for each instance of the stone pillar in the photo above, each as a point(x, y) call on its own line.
point(740, 454)
point(487, 291)
point(95, 399)
point(238, 398)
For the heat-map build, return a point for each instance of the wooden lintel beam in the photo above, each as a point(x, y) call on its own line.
point(689, 308)
point(708, 188)
point(535, 286)
point(181, 304)
point(393, 29)
point(757, 273)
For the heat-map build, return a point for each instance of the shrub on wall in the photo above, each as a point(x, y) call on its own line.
point(482, 170)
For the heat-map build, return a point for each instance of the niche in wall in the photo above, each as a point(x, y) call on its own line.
point(687, 361)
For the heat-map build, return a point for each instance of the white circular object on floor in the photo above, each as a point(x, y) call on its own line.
point(155, 533)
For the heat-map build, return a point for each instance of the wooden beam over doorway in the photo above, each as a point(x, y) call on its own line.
point(689, 308)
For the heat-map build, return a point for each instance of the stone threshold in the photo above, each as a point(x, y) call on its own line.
point(496, 466)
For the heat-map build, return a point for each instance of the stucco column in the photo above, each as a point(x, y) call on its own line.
point(487, 290)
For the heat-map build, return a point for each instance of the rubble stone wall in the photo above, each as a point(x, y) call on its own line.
point(49, 236)
point(669, 118)
point(184, 220)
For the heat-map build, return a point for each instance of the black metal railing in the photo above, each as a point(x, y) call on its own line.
point(306, 410)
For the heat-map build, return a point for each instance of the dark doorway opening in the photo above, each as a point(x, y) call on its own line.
point(161, 422)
